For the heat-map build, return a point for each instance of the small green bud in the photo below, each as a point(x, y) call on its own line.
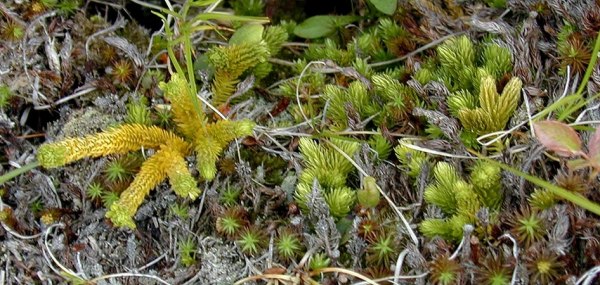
point(368, 196)
point(187, 251)
point(138, 113)
point(340, 201)
point(52, 155)
point(319, 261)
point(5, 95)
point(121, 216)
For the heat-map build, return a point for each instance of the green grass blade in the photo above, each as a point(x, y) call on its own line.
point(558, 191)
point(228, 17)
point(591, 65)
point(16, 172)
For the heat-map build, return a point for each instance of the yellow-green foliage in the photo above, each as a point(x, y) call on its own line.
point(368, 196)
point(166, 162)
point(398, 98)
point(186, 112)
point(381, 146)
point(486, 182)
point(354, 97)
point(495, 110)
point(497, 60)
point(206, 139)
point(460, 201)
point(386, 40)
point(460, 64)
point(274, 37)
point(213, 138)
point(230, 62)
point(362, 67)
point(138, 113)
point(389, 100)
point(457, 59)
point(442, 192)
point(5, 95)
point(370, 44)
point(339, 199)
point(330, 169)
point(325, 163)
point(465, 71)
point(411, 160)
point(542, 199)
point(396, 38)
point(329, 50)
point(118, 140)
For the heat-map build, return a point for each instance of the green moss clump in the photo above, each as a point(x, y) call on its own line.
point(460, 200)
point(326, 165)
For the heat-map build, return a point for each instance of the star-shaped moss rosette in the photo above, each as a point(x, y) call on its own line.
point(194, 135)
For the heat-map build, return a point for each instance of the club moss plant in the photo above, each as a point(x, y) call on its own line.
point(205, 139)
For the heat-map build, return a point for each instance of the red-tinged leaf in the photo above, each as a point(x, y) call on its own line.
point(558, 137)
point(594, 145)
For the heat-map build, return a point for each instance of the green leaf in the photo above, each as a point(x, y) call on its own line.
point(385, 6)
point(202, 3)
point(320, 26)
point(558, 137)
point(249, 33)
